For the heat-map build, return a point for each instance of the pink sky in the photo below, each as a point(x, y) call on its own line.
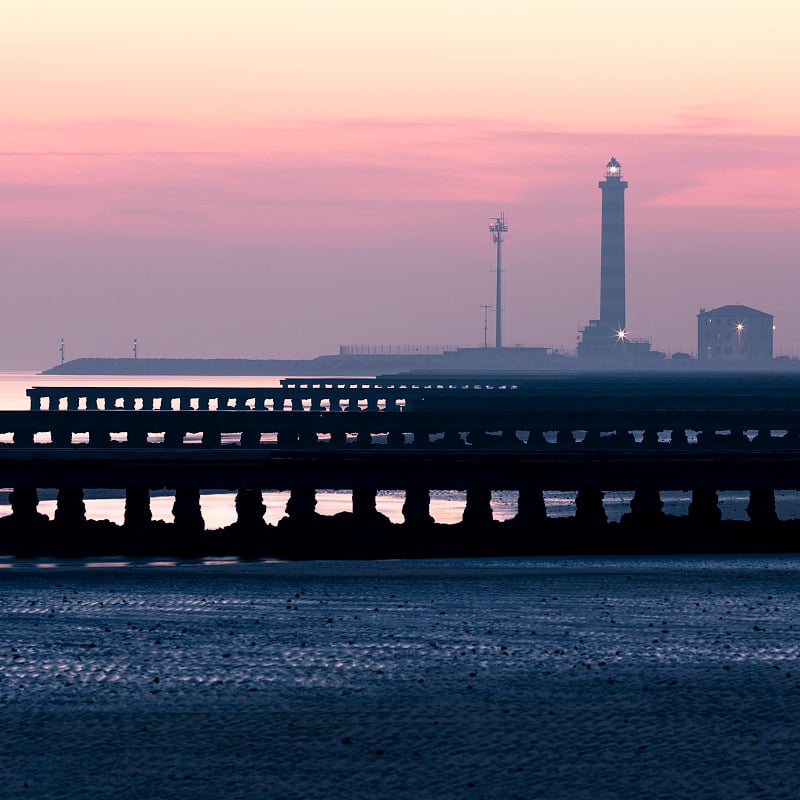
point(265, 183)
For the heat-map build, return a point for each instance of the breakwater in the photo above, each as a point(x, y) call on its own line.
point(415, 434)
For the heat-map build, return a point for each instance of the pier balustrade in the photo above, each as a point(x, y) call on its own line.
point(478, 437)
point(753, 392)
point(544, 430)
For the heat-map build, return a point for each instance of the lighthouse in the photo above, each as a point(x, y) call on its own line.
point(612, 250)
point(608, 337)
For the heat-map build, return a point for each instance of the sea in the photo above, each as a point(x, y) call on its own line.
point(218, 507)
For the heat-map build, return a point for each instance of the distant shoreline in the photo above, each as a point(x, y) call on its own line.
point(509, 360)
point(322, 365)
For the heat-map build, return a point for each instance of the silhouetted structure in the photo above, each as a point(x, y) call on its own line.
point(734, 333)
point(608, 337)
point(498, 227)
point(590, 433)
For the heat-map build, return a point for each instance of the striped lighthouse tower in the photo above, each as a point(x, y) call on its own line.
point(612, 249)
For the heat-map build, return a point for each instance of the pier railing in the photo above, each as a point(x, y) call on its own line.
point(588, 436)
point(493, 446)
point(631, 394)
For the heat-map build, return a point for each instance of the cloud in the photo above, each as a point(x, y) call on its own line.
point(324, 175)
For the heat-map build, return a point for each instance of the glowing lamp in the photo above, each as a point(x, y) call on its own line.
point(613, 168)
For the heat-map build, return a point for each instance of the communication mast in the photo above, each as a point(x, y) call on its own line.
point(497, 226)
point(485, 324)
point(61, 350)
point(135, 348)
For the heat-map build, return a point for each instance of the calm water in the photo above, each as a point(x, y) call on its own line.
point(218, 509)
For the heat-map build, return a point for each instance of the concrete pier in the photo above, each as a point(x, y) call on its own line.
point(586, 435)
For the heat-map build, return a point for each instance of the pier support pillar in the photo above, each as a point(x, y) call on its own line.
point(250, 508)
point(589, 509)
point(249, 438)
point(761, 508)
point(396, 439)
point(137, 507)
point(70, 509)
point(186, 509)
point(704, 507)
point(531, 510)
point(646, 505)
point(308, 439)
point(478, 510)
point(364, 503)
point(23, 501)
point(302, 503)
point(417, 507)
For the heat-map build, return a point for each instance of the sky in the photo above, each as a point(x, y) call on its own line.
point(263, 180)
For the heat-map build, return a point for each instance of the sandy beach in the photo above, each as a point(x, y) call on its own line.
point(552, 678)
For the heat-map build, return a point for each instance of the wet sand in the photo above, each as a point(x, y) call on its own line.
point(573, 678)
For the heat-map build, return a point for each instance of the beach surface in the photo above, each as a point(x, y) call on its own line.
point(511, 678)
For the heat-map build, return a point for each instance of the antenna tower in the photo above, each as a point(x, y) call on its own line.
point(485, 324)
point(497, 226)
